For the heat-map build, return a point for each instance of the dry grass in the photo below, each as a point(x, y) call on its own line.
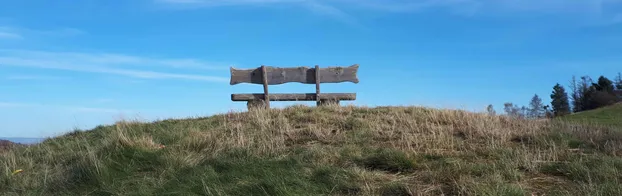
point(329, 150)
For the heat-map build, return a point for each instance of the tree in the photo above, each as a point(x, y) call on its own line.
point(575, 95)
point(512, 110)
point(618, 82)
point(524, 112)
point(584, 93)
point(536, 108)
point(599, 94)
point(559, 101)
point(600, 99)
point(491, 110)
point(604, 84)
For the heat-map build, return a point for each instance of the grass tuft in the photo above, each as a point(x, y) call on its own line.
point(389, 160)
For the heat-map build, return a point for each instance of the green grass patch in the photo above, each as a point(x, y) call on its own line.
point(388, 160)
point(606, 116)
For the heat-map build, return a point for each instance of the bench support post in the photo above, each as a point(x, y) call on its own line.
point(317, 86)
point(265, 86)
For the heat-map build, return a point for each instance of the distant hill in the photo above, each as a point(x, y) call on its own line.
point(607, 116)
point(23, 140)
point(6, 145)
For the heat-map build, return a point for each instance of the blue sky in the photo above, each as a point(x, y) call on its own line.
point(76, 64)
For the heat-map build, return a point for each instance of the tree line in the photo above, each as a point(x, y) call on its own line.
point(585, 94)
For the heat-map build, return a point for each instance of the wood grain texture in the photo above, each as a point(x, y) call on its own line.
point(305, 75)
point(265, 84)
point(294, 96)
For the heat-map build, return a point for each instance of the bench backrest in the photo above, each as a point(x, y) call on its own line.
point(268, 75)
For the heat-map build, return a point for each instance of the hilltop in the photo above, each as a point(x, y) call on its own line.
point(323, 151)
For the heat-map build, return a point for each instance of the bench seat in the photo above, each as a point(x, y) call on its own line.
point(294, 96)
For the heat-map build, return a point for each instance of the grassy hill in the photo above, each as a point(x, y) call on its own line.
point(323, 151)
point(606, 116)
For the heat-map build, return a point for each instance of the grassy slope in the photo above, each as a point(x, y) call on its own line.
point(323, 151)
point(608, 116)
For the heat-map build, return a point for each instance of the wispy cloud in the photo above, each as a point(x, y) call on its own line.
point(226, 2)
point(116, 64)
point(61, 32)
point(112, 59)
point(590, 10)
point(548, 6)
point(332, 11)
point(78, 109)
point(584, 11)
point(32, 77)
point(97, 110)
point(318, 7)
point(103, 100)
point(9, 35)
point(24, 33)
point(12, 105)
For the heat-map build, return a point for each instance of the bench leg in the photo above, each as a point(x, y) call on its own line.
point(328, 102)
point(256, 104)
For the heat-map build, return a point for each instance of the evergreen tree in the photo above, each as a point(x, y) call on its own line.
point(559, 101)
point(536, 108)
point(604, 84)
point(600, 94)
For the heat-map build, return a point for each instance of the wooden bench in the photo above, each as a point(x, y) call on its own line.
point(267, 75)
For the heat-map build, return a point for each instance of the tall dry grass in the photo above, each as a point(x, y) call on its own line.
point(326, 150)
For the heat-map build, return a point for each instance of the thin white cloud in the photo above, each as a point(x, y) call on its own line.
point(548, 6)
point(103, 100)
point(60, 32)
point(97, 110)
point(595, 11)
point(77, 109)
point(24, 33)
point(318, 7)
point(32, 77)
point(9, 35)
point(332, 11)
point(12, 105)
point(115, 64)
point(226, 2)
point(113, 59)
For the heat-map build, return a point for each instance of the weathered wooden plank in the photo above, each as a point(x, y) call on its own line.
point(265, 84)
point(339, 74)
point(293, 96)
point(305, 75)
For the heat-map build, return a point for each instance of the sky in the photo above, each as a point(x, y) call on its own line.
point(68, 65)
